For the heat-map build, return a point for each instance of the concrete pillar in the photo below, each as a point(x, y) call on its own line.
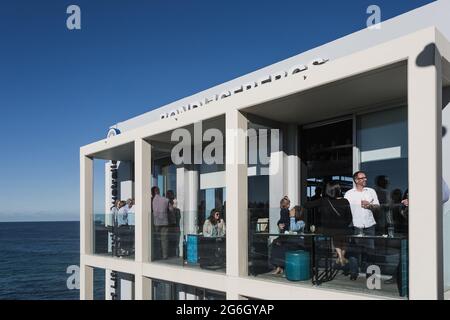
point(86, 204)
point(143, 215)
point(425, 174)
point(181, 196)
point(191, 201)
point(108, 193)
point(237, 194)
point(276, 183)
point(292, 165)
point(143, 287)
point(86, 282)
point(108, 284)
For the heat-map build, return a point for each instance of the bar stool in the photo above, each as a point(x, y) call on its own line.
point(297, 265)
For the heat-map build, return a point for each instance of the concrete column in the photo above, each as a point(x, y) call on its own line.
point(108, 193)
point(232, 289)
point(86, 282)
point(276, 184)
point(86, 204)
point(143, 177)
point(237, 194)
point(292, 170)
point(108, 284)
point(181, 173)
point(191, 201)
point(425, 174)
point(143, 287)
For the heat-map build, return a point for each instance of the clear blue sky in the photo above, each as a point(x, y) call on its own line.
point(61, 89)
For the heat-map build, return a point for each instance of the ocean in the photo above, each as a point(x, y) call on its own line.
point(34, 257)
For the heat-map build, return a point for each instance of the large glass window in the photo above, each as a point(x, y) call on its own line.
point(194, 233)
point(166, 229)
point(163, 290)
point(321, 241)
point(114, 208)
point(99, 284)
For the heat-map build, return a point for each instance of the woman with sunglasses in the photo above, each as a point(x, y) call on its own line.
point(214, 226)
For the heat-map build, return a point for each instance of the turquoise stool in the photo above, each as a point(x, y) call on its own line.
point(192, 249)
point(297, 265)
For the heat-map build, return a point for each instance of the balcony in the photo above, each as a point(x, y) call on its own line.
point(114, 235)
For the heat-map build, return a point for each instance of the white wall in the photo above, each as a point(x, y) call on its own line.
point(446, 173)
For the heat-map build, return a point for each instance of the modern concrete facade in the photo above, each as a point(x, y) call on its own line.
point(405, 64)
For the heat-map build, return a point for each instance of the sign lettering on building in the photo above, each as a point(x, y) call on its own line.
point(239, 89)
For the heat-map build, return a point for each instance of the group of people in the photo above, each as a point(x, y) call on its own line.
point(121, 211)
point(166, 221)
point(338, 217)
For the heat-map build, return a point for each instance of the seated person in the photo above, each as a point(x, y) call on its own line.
point(296, 220)
point(214, 226)
point(289, 221)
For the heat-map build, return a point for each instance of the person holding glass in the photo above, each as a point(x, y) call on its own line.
point(363, 203)
point(296, 220)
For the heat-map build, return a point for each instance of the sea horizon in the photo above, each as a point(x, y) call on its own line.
point(35, 259)
point(39, 221)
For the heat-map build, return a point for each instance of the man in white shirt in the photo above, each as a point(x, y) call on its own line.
point(363, 202)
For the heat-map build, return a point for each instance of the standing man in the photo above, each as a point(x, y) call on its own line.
point(363, 202)
point(174, 217)
point(160, 206)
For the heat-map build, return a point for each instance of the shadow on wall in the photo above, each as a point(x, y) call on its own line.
point(426, 59)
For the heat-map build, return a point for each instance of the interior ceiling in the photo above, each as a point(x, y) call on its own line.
point(121, 153)
point(339, 98)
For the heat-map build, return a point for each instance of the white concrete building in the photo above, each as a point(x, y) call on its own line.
point(374, 101)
